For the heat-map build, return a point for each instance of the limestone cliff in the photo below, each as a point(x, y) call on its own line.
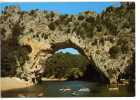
point(106, 39)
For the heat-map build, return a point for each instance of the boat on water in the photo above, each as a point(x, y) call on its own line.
point(84, 90)
point(65, 89)
point(61, 89)
point(74, 92)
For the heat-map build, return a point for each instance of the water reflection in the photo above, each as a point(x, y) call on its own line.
point(69, 89)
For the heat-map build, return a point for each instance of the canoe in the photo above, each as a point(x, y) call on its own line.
point(84, 90)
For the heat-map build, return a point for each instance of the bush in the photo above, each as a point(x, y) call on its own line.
point(114, 52)
point(52, 26)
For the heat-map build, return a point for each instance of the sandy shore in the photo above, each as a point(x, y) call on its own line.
point(8, 83)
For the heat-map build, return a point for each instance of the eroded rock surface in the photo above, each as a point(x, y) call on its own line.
point(106, 39)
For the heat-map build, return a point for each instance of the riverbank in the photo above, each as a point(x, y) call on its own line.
point(70, 89)
point(9, 83)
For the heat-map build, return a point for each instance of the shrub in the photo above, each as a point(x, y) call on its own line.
point(52, 26)
point(114, 52)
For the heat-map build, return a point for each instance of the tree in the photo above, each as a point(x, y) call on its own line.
point(66, 65)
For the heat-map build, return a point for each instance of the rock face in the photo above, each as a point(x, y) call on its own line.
point(106, 39)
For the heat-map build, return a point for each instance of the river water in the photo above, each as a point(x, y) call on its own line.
point(54, 89)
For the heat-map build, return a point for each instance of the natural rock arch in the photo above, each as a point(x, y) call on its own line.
point(101, 41)
point(46, 49)
point(63, 40)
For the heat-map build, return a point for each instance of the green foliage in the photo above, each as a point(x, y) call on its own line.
point(11, 60)
point(65, 65)
point(115, 51)
point(81, 17)
point(90, 19)
point(125, 44)
point(52, 26)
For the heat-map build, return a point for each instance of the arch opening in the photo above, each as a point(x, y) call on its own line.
point(69, 62)
point(66, 63)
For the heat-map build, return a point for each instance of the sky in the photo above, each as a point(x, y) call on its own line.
point(70, 50)
point(65, 8)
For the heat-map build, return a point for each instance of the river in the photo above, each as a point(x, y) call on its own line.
point(54, 89)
